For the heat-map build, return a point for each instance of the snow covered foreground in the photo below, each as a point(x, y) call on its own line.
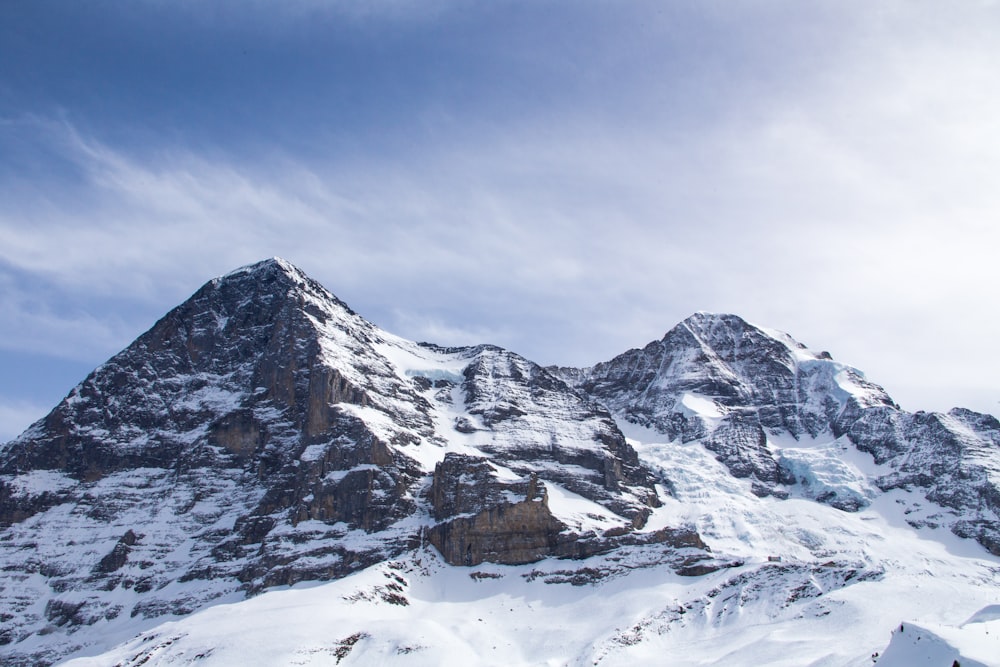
point(844, 585)
point(975, 643)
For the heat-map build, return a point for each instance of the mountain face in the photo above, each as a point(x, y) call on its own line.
point(729, 384)
point(739, 389)
point(263, 434)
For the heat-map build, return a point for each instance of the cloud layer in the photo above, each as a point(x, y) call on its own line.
point(567, 181)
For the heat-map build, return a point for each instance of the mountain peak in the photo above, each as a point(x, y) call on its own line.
point(703, 316)
point(274, 271)
point(266, 266)
point(703, 323)
point(279, 277)
point(728, 334)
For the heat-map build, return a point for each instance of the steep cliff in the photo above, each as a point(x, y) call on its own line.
point(262, 434)
point(776, 413)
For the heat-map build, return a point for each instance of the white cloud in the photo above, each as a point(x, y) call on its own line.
point(16, 416)
point(423, 327)
point(852, 204)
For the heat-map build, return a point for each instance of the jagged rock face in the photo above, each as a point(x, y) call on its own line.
point(718, 379)
point(733, 387)
point(239, 378)
point(528, 432)
point(262, 434)
point(878, 430)
point(955, 458)
point(248, 342)
point(485, 516)
point(513, 397)
point(215, 437)
point(740, 442)
point(466, 484)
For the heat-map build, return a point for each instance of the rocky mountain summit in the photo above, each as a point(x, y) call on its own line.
point(742, 391)
point(263, 434)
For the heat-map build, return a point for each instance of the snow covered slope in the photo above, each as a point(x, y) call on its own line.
point(263, 434)
point(975, 643)
point(723, 496)
point(844, 582)
point(794, 421)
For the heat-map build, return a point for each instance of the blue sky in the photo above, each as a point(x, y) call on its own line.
point(566, 179)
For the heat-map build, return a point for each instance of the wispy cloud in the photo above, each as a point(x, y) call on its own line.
point(836, 181)
point(70, 332)
point(16, 416)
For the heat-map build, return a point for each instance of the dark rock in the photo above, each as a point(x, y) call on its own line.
point(483, 518)
point(486, 519)
point(118, 556)
point(63, 612)
point(583, 449)
point(510, 533)
point(464, 425)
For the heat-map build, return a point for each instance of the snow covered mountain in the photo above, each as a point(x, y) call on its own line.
point(754, 397)
point(723, 489)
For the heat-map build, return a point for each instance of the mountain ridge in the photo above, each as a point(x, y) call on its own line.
point(263, 434)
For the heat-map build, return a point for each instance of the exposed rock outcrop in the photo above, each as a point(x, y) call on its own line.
point(484, 517)
point(721, 380)
point(262, 434)
point(738, 389)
